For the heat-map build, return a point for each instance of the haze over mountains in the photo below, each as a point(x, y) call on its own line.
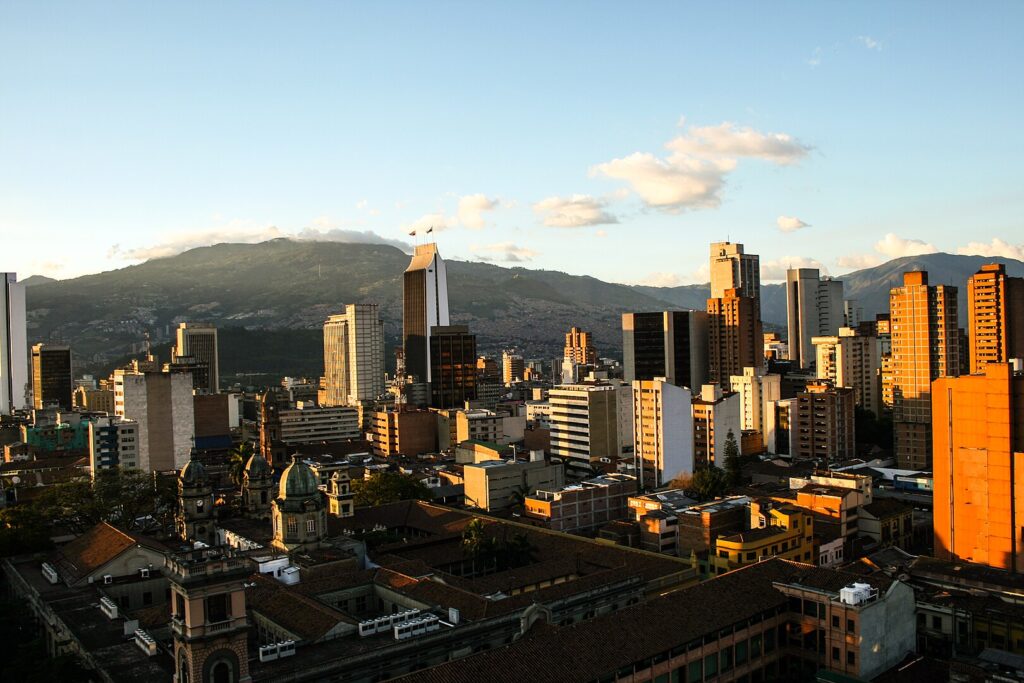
point(289, 287)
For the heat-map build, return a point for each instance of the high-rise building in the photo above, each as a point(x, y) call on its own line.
point(995, 316)
point(735, 340)
point(579, 347)
point(824, 423)
point(662, 432)
point(668, 344)
point(715, 415)
point(353, 356)
point(925, 346)
point(425, 305)
point(14, 379)
point(978, 448)
point(113, 444)
point(52, 382)
point(586, 423)
point(162, 406)
point(732, 269)
point(814, 308)
point(453, 366)
point(199, 342)
point(756, 389)
point(852, 359)
point(513, 369)
point(780, 431)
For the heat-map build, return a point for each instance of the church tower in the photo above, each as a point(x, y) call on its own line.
point(257, 485)
point(339, 495)
point(298, 512)
point(272, 448)
point(194, 519)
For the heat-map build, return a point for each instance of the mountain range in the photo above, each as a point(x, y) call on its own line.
point(270, 300)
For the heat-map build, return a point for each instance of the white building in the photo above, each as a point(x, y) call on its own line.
point(755, 389)
point(814, 307)
point(586, 423)
point(113, 444)
point(855, 361)
point(353, 356)
point(14, 377)
point(161, 404)
point(310, 423)
point(662, 432)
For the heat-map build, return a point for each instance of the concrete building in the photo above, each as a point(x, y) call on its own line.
point(406, 432)
point(662, 432)
point(309, 423)
point(735, 340)
point(513, 368)
point(579, 347)
point(453, 366)
point(425, 305)
point(584, 506)
point(113, 444)
point(14, 376)
point(852, 359)
point(925, 346)
point(161, 404)
point(979, 438)
point(93, 400)
point(586, 423)
point(499, 484)
point(756, 389)
point(353, 356)
point(669, 344)
point(476, 424)
point(198, 341)
point(995, 316)
point(783, 531)
point(733, 269)
point(715, 415)
point(52, 379)
point(814, 307)
point(825, 423)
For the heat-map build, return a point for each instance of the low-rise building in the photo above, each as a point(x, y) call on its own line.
point(405, 432)
point(499, 484)
point(584, 506)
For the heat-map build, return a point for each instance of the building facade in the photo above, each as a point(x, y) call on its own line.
point(825, 423)
point(735, 339)
point(453, 366)
point(733, 269)
point(353, 356)
point(585, 423)
point(668, 344)
point(425, 305)
point(52, 382)
point(199, 342)
point(14, 376)
point(162, 406)
point(995, 316)
point(814, 307)
point(662, 432)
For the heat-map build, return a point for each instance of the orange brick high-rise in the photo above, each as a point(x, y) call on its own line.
point(995, 313)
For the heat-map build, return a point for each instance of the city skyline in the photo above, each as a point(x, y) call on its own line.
point(820, 137)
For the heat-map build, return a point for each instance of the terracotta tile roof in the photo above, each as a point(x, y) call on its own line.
point(304, 616)
point(95, 548)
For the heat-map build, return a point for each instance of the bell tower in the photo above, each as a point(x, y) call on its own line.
point(272, 448)
point(339, 495)
point(257, 488)
point(298, 514)
point(194, 519)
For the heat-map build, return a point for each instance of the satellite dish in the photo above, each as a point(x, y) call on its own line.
point(15, 480)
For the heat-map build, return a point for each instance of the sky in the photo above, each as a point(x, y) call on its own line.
point(609, 139)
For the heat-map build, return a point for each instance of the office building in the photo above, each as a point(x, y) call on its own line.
point(662, 432)
point(405, 432)
point(825, 423)
point(735, 340)
point(668, 344)
point(995, 316)
point(716, 415)
point(852, 359)
point(52, 382)
point(814, 308)
point(353, 356)
point(732, 269)
point(93, 400)
point(113, 444)
point(453, 366)
point(925, 346)
point(198, 341)
point(162, 406)
point(493, 485)
point(979, 483)
point(586, 423)
point(585, 506)
point(779, 427)
point(477, 424)
point(755, 389)
point(579, 347)
point(308, 423)
point(14, 377)
point(513, 368)
point(425, 305)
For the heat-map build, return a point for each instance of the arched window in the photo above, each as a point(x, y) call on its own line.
point(310, 526)
point(222, 673)
point(293, 525)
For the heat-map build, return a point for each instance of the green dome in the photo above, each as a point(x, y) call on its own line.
point(298, 481)
point(257, 467)
point(193, 473)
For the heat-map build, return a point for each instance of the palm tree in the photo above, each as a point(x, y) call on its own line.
point(238, 458)
point(476, 543)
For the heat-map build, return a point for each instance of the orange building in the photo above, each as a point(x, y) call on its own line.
point(995, 316)
point(925, 346)
point(978, 449)
point(735, 340)
point(579, 347)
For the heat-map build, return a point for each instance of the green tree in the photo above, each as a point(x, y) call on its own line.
point(130, 499)
point(23, 529)
point(709, 482)
point(388, 487)
point(733, 472)
point(478, 546)
point(238, 458)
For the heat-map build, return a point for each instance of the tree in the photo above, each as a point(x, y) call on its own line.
point(733, 471)
point(131, 499)
point(477, 545)
point(238, 458)
point(23, 530)
point(709, 482)
point(388, 487)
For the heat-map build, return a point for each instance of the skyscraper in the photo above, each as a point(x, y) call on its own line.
point(668, 344)
point(735, 340)
point(513, 368)
point(425, 305)
point(732, 269)
point(51, 376)
point(995, 316)
point(199, 342)
point(579, 347)
point(452, 366)
point(662, 432)
point(814, 307)
point(925, 346)
point(13, 345)
point(353, 356)
point(852, 359)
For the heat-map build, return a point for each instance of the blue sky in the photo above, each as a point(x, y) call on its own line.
point(598, 138)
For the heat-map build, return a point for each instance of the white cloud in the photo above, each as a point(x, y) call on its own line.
point(894, 246)
point(236, 231)
point(362, 204)
point(858, 261)
point(775, 271)
point(472, 208)
point(870, 43)
point(503, 251)
point(996, 247)
point(577, 211)
point(437, 221)
point(662, 279)
point(350, 237)
point(692, 175)
point(790, 223)
point(815, 59)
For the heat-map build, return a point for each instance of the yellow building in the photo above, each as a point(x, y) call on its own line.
point(783, 531)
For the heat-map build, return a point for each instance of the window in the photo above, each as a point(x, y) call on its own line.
point(937, 622)
point(694, 673)
point(725, 657)
point(850, 659)
point(755, 646)
point(711, 665)
point(311, 526)
point(851, 627)
point(293, 525)
point(835, 654)
point(835, 621)
point(218, 608)
point(147, 598)
point(741, 652)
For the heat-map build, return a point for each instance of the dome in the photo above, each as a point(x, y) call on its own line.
point(193, 473)
point(298, 481)
point(257, 467)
